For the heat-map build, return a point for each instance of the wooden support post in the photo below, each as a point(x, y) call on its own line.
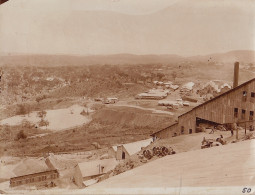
point(245, 128)
point(236, 133)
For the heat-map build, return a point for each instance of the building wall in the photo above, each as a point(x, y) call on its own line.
point(168, 132)
point(111, 153)
point(34, 178)
point(49, 164)
point(120, 150)
point(78, 180)
point(221, 110)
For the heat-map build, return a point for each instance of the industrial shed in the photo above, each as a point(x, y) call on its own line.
point(93, 169)
point(234, 106)
point(166, 132)
point(124, 151)
point(41, 177)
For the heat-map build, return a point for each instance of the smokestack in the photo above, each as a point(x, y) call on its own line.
point(2, 1)
point(236, 74)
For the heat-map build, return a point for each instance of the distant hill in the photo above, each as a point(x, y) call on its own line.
point(122, 59)
point(58, 60)
point(242, 56)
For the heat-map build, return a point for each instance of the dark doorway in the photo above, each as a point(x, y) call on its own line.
point(123, 155)
point(190, 131)
point(205, 123)
point(182, 129)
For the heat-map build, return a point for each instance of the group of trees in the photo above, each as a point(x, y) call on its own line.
point(22, 109)
point(78, 80)
point(40, 98)
point(43, 121)
point(21, 135)
point(7, 133)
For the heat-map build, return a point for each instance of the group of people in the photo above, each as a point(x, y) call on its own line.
point(234, 127)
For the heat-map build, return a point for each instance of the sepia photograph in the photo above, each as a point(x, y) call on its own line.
point(127, 97)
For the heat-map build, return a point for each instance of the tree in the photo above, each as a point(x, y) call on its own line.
point(87, 108)
point(22, 109)
point(5, 132)
point(21, 135)
point(44, 122)
point(42, 114)
point(26, 123)
point(83, 112)
point(1, 151)
point(40, 98)
point(174, 75)
point(160, 75)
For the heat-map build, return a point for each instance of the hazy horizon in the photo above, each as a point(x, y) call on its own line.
point(144, 27)
point(84, 55)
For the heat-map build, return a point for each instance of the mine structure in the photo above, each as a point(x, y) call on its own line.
point(235, 106)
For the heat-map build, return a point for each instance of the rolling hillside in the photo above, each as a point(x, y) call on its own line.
point(243, 56)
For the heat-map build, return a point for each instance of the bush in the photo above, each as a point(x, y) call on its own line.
point(40, 98)
point(27, 124)
point(41, 114)
point(22, 109)
point(59, 100)
point(21, 135)
point(97, 106)
point(83, 112)
point(43, 123)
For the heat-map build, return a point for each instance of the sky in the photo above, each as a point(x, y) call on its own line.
point(121, 6)
point(92, 27)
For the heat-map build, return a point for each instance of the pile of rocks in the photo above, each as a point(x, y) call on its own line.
point(157, 151)
point(123, 166)
point(207, 143)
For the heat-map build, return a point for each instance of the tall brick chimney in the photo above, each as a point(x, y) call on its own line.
point(2, 1)
point(236, 75)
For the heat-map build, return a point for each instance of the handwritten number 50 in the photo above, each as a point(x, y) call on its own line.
point(246, 190)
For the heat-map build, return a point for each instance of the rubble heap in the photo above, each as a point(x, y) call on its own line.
point(157, 151)
point(207, 143)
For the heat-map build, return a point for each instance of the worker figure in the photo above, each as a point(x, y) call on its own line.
point(203, 141)
point(251, 128)
point(232, 132)
point(232, 128)
point(212, 131)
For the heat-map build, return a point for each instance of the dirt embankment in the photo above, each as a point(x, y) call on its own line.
point(132, 117)
point(109, 126)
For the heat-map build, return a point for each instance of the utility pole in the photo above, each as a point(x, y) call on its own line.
point(236, 131)
point(245, 127)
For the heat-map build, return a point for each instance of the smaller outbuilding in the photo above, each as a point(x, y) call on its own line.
point(124, 151)
point(96, 168)
point(41, 177)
